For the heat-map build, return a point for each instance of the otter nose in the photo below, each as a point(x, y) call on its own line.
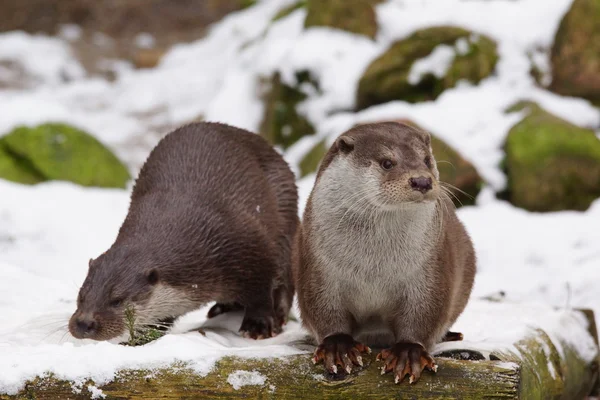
point(420, 183)
point(86, 326)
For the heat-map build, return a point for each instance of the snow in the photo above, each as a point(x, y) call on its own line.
point(49, 231)
point(241, 378)
point(436, 63)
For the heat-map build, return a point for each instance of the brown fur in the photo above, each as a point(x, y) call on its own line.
point(212, 217)
point(419, 299)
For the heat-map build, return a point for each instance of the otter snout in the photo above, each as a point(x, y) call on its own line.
point(83, 326)
point(421, 184)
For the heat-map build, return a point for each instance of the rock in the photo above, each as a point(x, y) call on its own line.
point(575, 56)
point(356, 16)
point(551, 164)
point(310, 162)
point(282, 124)
point(62, 152)
point(17, 169)
point(399, 74)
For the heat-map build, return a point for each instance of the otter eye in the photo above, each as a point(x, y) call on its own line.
point(428, 161)
point(116, 302)
point(387, 164)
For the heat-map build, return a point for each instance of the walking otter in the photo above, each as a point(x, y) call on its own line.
point(380, 249)
point(212, 218)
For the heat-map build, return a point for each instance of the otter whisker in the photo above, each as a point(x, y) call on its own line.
point(447, 162)
point(448, 192)
point(457, 189)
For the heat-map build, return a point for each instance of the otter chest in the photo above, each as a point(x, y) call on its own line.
point(374, 271)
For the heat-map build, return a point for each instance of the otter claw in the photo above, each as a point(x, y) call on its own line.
point(406, 358)
point(339, 350)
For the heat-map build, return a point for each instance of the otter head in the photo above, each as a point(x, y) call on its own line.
point(388, 164)
point(115, 281)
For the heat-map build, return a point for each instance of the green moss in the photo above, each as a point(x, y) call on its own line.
point(17, 169)
point(282, 124)
point(356, 16)
point(575, 56)
point(551, 164)
point(284, 12)
point(310, 162)
point(246, 3)
point(386, 79)
point(139, 337)
point(61, 152)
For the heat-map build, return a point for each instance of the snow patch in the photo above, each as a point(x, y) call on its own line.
point(239, 379)
point(96, 392)
point(436, 63)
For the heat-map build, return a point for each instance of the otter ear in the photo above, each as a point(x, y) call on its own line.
point(90, 262)
point(152, 277)
point(345, 144)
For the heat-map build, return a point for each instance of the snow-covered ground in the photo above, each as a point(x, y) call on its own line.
point(49, 231)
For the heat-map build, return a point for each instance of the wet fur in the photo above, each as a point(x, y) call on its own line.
point(381, 263)
point(213, 215)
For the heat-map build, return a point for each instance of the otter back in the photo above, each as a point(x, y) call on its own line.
point(212, 217)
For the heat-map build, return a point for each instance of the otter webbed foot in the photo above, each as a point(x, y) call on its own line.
point(405, 358)
point(452, 337)
point(222, 308)
point(256, 326)
point(340, 350)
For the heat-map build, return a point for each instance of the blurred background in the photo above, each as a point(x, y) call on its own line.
point(509, 89)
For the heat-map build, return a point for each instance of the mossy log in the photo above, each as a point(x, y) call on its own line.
point(533, 368)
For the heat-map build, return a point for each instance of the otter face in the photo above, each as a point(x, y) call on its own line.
point(394, 162)
point(106, 292)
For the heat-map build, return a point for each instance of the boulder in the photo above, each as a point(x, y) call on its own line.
point(61, 152)
point(422, 66)
point(356, 16)
point(575, 56)
point(17, 169)
point(551, 164)
point(282, 124)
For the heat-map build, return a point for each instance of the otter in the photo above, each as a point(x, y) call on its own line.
point(212, 217)
point(381, 253)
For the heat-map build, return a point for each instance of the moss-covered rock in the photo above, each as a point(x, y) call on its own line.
point(389, 76)
point(17, 169)
point(551, 164)
point(356, 16)
point(282, 123)
point(310, 162)
point(62, 152)
point(575, 54)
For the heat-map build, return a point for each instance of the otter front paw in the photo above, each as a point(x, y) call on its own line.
point(259, 327)
point(340, 350)
point(406, 358)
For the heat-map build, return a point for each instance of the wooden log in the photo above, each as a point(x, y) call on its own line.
point(533, 368)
